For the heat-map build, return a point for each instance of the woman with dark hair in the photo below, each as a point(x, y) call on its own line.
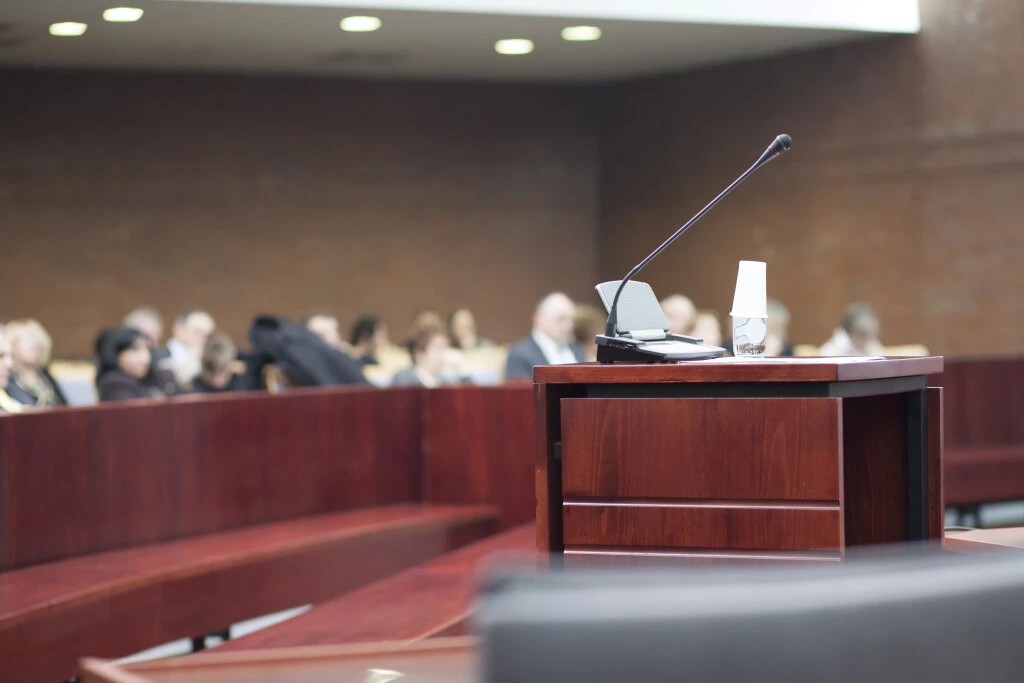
point(462, 331)
point(428, 347)
point(125, 370)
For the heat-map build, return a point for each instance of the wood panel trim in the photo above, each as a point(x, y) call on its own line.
point(705, 553)
point(695, 527)
point(710, 503)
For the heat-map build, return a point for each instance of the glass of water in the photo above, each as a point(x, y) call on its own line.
point(749, 336)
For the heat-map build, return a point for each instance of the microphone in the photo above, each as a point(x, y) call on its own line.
point(780, 145)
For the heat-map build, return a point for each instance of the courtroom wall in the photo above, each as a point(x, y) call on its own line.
point(288, 195)
point(904, 188)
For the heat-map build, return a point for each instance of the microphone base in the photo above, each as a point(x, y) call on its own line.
point(626, 350)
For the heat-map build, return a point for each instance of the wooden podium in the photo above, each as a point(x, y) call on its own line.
point(781, 459)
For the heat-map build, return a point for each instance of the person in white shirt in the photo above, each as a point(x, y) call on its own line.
point(858, 335)
point(185, 347)
point(550, 342)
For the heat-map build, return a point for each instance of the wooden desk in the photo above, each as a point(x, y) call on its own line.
point(762, 459)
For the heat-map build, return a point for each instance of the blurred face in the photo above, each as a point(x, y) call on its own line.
point(380, 336)
point(5, 360)
point(680, 313)
point(708, 328)
point(555, 318)
point(463, 324)
point(194, 332)
point(325, 327)
point(135, 359)
point(27, 352)
point(152, 330)
point(865, 333)
point(432, 359)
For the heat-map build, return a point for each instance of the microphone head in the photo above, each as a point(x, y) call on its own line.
point(781, 144)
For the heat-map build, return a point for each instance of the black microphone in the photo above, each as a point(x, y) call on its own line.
point(780, 145)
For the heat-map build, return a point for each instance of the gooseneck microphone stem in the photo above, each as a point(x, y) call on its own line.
point(780, 145)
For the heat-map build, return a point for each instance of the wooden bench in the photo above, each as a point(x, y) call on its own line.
point(984, 430)
point(115, 603)
point(433, 599)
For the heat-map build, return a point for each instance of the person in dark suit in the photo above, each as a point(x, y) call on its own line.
point(550, 342)
point(125, 371)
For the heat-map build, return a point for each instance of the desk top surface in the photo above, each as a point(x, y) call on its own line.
point(442, 660)
point(740, 370)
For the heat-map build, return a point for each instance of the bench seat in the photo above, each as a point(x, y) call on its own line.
point(433, 599)
point(116, 603)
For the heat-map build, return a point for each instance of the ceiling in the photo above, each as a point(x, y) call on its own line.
point(276, 38)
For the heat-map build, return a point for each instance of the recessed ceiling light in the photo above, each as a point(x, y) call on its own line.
point(360, 24)
point(514, 46)
point(122, 14)
point(579, 33)
point(67, 28)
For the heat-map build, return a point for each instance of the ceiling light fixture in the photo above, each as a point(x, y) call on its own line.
point(67, 28)
point(360, 24)
point(514, 46)
point(581, 33)
point(122, 14)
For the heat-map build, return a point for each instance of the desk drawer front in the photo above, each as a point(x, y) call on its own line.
point(733, 449)
point(702, 526)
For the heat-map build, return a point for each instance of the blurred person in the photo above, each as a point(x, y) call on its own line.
point(707, 327)
point(125, 370)
point(369, 335)
point(30, 382)
point(188, 336)
point(462, 332)
point(681, 314)
point(148, 321)
point(325, 326)
point(7, 404)
point(217, 372)
point(427, 318)
point(857, 335)
point(550, 342)
point(589, 322)
point(429, 349)
point(777, 341)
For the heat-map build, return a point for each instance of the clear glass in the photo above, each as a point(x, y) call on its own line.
point(749, 336)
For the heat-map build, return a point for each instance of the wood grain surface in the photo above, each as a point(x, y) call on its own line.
point(732, 370)
point(720, 527)
point(114, 604)
point(739, 449)
point(427, 600)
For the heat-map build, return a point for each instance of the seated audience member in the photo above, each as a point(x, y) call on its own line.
point(428, 347)
point(146, 320)
point(550, 342)
point(777, 342)
point(369, 334)
point(217, 372)
point(125, 371)
point(589, 323)
point(185, 346)
point(428, 317)
point(30, 382)
point(462, 331)
point(325, 326)
point(7, 404)
point(681, 314)
point(707, 327)
point(858, 335)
